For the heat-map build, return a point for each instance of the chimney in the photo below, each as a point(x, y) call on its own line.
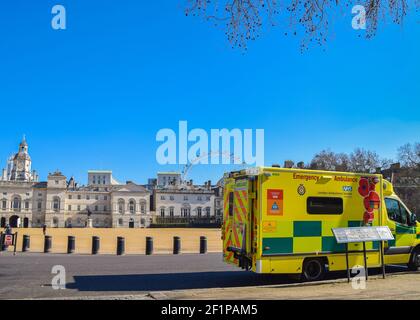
point(288, 164)
point(395, 166)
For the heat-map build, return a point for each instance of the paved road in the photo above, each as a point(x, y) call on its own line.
point(29, 276)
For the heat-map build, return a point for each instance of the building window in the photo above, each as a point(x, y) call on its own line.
point(96, 208)
point(79, 197)
point(96, 197)
point(185, 198)
point(69, 208)
point(162, 197)
point(39, 205)
point(171, 212)
point(87, 197)
point(121, 205)
point(208, 198)
point(70, 197)
point(4, 204)
point(26, 205)
point(105, 208)
point(105, 198)
point(16, 205)
point(324, 205)
point(199, 198)
point(143, 208)
point(56, 204)
point(78, 208)
point(132, 206)
point(56, 181)
point(120, 222)
point(199, 212)
point(208, 212)
point(162, 212)
point(171, 198)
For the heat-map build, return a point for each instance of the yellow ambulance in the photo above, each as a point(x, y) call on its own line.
point(280, 220)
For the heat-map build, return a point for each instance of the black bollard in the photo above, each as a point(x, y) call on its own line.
point(203, 245)
point(71, 244)
point(149, 246)
point(26, 243)
point(95, 245)
point(120, 246)
point(177, 245)
point(2, 247)
point(47, 244)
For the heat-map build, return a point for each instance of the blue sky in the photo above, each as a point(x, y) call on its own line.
point(94, 96)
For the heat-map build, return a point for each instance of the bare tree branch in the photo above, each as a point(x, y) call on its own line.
point(244, 19)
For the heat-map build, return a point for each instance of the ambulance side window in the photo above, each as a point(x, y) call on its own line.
point(324, 205)
point(230, 204)
point(396, 212)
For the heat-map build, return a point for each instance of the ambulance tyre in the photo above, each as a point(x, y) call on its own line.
point(313, 269)
point(414, 263)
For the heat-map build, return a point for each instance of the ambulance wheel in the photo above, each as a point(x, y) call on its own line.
point(313, 270)
point(414, 263)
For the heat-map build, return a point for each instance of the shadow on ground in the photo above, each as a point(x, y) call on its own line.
point(193, 280)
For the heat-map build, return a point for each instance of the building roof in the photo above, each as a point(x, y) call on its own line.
point(129, 187)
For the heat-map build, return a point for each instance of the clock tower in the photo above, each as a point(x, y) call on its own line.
point(21, 164)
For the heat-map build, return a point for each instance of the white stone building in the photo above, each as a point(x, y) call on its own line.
point(59, 202)
point(182, 201)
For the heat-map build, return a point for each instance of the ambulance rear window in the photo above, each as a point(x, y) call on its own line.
point(231, 204)
point(324, 205)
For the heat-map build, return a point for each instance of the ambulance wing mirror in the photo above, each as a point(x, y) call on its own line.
point(413, 219)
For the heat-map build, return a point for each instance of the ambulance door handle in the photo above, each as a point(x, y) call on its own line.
point(266, 248)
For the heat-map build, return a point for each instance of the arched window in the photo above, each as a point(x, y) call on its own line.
point(121, 205)
point(185, 211)
point(16, 203)
point(56, 204)
point(132, 206)
point(162, 212)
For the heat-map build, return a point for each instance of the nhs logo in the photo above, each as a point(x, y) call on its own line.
point(347, 188)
